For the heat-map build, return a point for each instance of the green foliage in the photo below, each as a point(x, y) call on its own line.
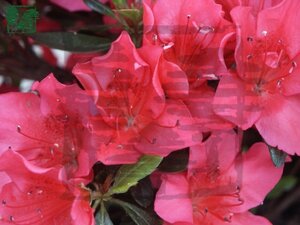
point(278, 157)
point(143, 192)
point(102, 217)
point(73, 42)
point(99, 7)
point(129, 175)
point(139, 216)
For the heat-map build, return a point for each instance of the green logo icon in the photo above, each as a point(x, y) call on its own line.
point(21, 19)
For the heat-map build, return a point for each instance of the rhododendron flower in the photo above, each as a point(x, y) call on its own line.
point(220, 185)
point(41, 196)
point(265, 88)
point(49, 126)
point(191, 33)
point(134, 116)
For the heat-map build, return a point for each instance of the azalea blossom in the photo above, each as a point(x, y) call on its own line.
point(219, 185)
point(134, 116)
point(49, 126)
point(190, 33)
point(41, 196)
point(264, 89)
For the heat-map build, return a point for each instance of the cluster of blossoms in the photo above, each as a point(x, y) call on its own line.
point(206, 71)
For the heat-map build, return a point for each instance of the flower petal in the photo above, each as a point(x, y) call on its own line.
point(173, 196)
point(268, 20)
point(279, 123)
point(253, 172)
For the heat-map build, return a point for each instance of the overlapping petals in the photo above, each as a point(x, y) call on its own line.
point(189, 37)
point(134, 115)
point(49, 126)
point(41, 196)
point(266, 78)
point(219, 186)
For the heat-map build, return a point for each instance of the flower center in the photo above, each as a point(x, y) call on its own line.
point(213, 196)
point(266, 63)
point(190, 41)
point(57, 142)
point(123, 101)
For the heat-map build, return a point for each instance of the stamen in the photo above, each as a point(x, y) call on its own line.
point(294, 65)
point(33, 138)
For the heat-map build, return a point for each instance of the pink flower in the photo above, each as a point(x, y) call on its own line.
point(221, 184)
point(134, 116)
point(41, 196)
point(264, 90)
point(190, 39)
point(49, 126)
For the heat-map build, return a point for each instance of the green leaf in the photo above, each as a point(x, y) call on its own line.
point(285, 184)
point(99, 7)
point(129, 175)
point(143, 192)
point(119, 4)
point(71, 41)
point(278, 157)
point(175, 162)
point(139, 216)
point(132, 16)
point(102, 217)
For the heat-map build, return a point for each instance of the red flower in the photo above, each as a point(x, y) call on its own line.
point(48, 126)
point(265, 90)
point(220, 184)
point(191, 33)
point(135, 117)
point(41, 196)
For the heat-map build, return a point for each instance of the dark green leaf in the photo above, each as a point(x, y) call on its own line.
point(132, 16)
point(102, 217)
point(99, 7)
point(71, 41)
point(143, 193)
point(120, 4)
point(139, 216)
point(285, 184)
point(175, 162)
point(278, 157)
point(129, 175)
